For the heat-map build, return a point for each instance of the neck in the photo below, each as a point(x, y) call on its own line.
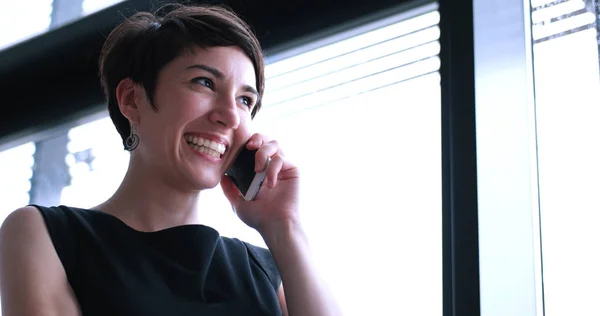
point(167, 207)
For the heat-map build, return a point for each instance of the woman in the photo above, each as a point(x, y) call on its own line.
point(182, 88)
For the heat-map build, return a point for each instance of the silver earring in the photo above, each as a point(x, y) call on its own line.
point(132, 141)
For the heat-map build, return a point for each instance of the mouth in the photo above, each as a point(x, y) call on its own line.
point(206, 146)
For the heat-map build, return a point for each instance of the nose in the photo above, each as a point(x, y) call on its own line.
point(225, 113)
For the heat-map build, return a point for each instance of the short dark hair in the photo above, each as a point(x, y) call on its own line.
point(144, 43)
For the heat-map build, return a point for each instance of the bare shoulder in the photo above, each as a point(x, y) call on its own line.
point(32, 278)
point(22, 232)
point(19, 219)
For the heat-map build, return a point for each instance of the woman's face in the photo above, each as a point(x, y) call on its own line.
point(204, 103)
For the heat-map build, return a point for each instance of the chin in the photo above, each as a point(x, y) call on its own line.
point(206, 183)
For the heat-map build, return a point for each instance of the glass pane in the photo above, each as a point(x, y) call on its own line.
point(91, 6)
point(567, 89)
point(361, 118)
point(97, 163)
point(27, 19)
point(369, 185)
point(15, 174)
point(24, 19)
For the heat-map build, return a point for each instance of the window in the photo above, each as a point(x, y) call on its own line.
point(97, 163)
point(16, 170)
point(22, 27)
point(27, 19)
point(360, 115)
point(567, 90)
point(537, 79)
point(91, 6)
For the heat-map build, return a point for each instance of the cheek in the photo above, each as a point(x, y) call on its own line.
point(244, 130)
point(193, 105)
point(177, 97)
point(178, 112)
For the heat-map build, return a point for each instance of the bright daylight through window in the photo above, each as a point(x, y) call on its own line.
point(567, 90)
point(39, 17)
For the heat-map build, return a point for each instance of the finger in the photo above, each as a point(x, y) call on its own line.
point(274, 169)
point(256, 141)
point(268, 150)
point(231, 191)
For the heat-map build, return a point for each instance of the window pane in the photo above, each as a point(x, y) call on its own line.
point(91, 6)
point(15, 174)
point(361, 117)
point(97, 163)
point(371, 182)
point(567, 88)
point(24, 19)
point(27, 19)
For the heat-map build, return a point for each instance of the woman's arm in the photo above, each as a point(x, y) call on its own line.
point(305, 292)
point(282, 302)
point(275, 215)
point(32, 278)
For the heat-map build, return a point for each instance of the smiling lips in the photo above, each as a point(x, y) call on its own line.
point(206, 146)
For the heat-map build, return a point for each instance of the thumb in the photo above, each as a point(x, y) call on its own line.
point(231, 191)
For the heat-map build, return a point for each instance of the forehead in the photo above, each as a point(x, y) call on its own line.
point(231, 61)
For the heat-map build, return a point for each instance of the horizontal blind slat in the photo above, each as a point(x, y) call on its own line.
point(352, 44)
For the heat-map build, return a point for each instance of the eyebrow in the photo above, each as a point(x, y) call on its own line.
point(214, 71)
point(250, 89)
point(219, 75)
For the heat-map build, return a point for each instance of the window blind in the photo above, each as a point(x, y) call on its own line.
point(552, 19)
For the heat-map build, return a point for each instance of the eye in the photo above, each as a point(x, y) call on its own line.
point(247, 101)
point(205, 82)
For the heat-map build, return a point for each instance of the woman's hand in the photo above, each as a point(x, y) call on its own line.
point(274, 214)
point(276, 204)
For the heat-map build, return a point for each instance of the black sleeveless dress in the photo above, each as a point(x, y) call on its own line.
point(185, 270)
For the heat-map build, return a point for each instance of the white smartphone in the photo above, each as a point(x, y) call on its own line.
point(243, 175)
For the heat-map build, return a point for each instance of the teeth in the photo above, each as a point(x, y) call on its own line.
point(206, 150)
point(195, 141)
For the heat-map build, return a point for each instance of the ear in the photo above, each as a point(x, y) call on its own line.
point(127, 94)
